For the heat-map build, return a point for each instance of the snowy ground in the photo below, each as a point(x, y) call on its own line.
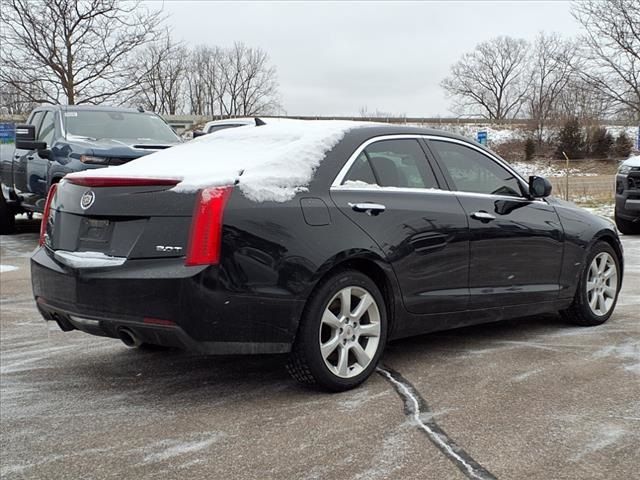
point(498, 135)
point(532, 398)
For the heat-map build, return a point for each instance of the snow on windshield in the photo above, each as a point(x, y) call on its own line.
point(270, 163)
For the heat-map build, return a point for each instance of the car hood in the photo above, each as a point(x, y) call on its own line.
point(120, 147)
point(632, 161)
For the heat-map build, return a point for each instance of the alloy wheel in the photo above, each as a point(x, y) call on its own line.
point(350, 332)
point(602, 284)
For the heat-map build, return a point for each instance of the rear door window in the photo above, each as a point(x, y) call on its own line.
point(392, 163)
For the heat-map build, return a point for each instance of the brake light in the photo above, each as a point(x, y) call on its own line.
point(88, 181)
point(158, 321)
point(205, 238)
point(46, 212)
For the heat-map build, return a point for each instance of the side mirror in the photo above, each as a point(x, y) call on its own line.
point(198, 133)
point(539, 187)
point(26, 138)
point(45, 153)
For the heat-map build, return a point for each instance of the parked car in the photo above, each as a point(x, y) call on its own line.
point(627, 213)
point(322, 240)
point(60, 139)
point(219, 125)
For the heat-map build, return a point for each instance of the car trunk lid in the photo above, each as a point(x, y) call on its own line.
point(102, 219)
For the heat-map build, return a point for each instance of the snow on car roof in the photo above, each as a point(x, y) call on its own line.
point(269, 163)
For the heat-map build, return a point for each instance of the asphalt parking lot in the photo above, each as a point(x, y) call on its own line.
point(532, 398)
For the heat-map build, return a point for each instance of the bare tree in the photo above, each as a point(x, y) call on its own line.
point(237, 81)
point(365, 113)
point(551, 71)
point(580, 100)
point(161, 86)
point(76, 51)
point(204, 80)
point(248, 82)
point(490, 80)
point(610, 60)
point(13, 101)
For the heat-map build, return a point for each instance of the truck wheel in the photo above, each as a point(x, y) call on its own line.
point(626, 226)
point(7, 218)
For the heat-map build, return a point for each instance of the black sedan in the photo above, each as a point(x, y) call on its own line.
point(392, 232)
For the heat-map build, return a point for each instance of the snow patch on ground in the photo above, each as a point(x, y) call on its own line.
point(7, 268)
point(525, 375)
point(628, 352)
point(269, 163)
point(171, 448)
point(605, 437)
point(390, 458)
point(360, 398)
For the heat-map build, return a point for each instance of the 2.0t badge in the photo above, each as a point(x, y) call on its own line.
point(87, 199)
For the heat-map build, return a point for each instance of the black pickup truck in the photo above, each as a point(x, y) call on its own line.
point(60, 139)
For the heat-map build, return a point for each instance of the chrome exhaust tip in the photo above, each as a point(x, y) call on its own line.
point(129, 338)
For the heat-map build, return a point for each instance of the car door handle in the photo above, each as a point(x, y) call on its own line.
point(483, 216)
point(369, 208)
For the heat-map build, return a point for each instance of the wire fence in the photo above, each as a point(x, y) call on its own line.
point(585, 189)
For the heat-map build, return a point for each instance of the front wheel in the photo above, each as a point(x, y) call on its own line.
point(342, 333)
point(598, 289)
point(627, 226)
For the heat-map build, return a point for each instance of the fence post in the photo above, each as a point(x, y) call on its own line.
point(566, 174)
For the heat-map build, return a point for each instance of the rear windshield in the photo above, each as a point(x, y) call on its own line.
point(140, 127)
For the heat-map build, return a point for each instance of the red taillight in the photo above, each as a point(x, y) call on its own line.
point(46, 212)
point(158, 321)
point(87, 181)
point(205, 238)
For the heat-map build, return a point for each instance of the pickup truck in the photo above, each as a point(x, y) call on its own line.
point(59, 139)
point(627, 212)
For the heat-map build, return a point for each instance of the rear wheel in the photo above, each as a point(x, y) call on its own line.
point(342, 333)
point(627, 226)
point(598, 289)
point(7, 218)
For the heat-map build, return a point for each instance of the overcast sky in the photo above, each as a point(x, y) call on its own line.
point(333, 58)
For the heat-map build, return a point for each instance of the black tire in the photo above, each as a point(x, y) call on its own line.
point(306, 363)
point(627, 226)
point(580, 313)
point(7, 218)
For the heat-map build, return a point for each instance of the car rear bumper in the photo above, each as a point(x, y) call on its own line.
point(163, 303)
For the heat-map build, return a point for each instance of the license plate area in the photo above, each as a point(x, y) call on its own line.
point(96, 231)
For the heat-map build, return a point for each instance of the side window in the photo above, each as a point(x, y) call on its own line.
point(36, 118)
point(393, 163)
point(47, 129)
point(216, 128)
point(471, 171)
point(360, 172)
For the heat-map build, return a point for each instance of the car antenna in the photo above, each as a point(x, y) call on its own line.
point(259, 122)
point(140, 109)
